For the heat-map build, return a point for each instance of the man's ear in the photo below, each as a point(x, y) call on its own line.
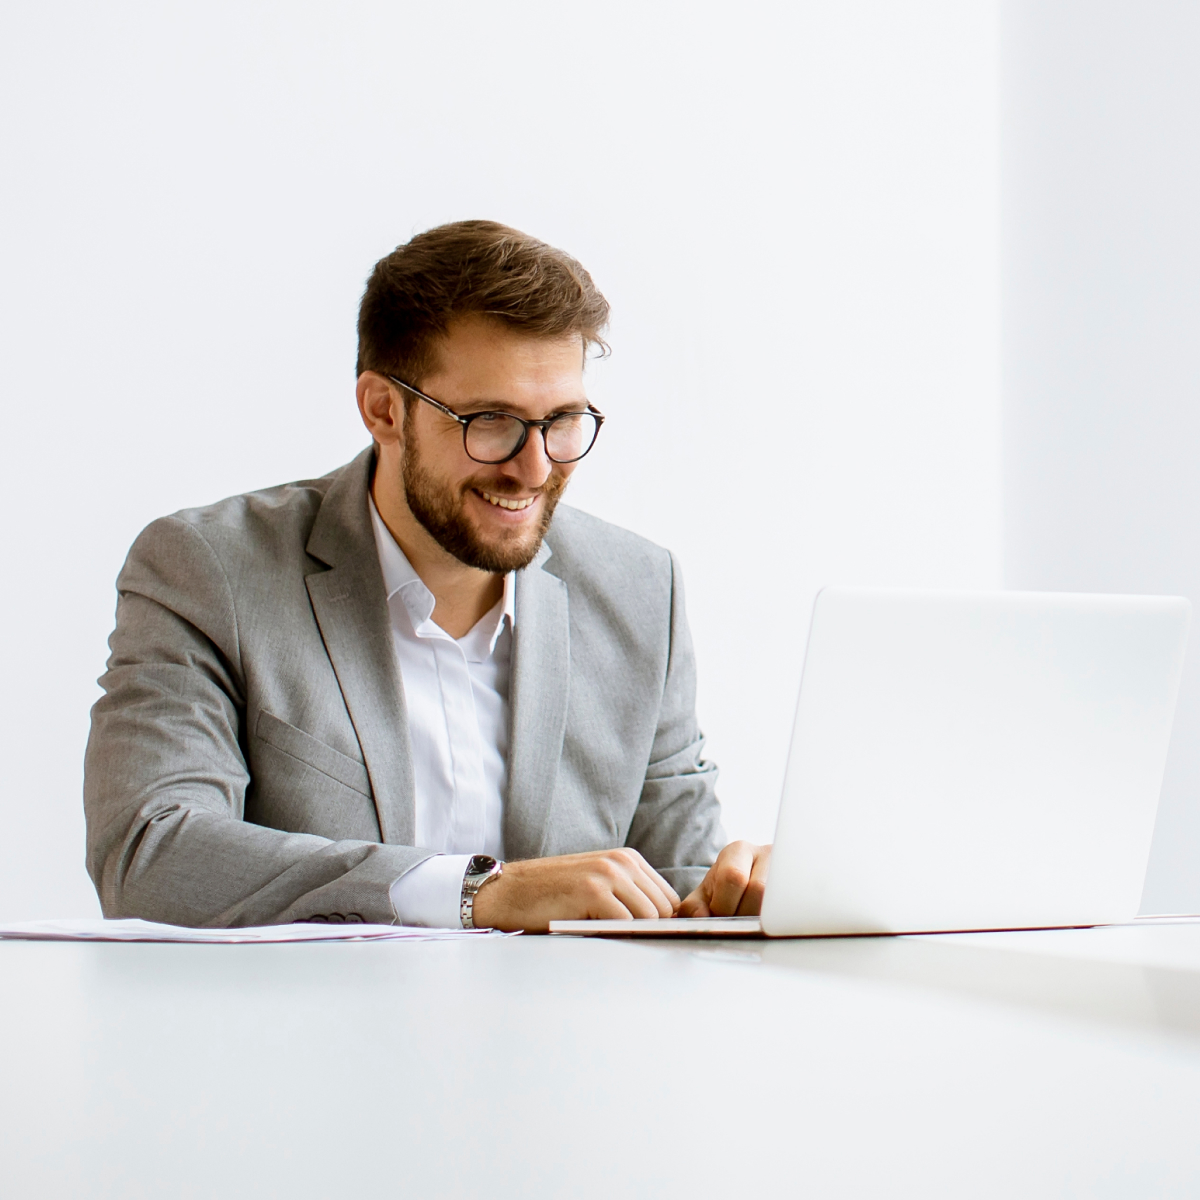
point(380, 407)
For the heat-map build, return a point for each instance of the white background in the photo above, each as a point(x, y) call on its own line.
point(1101, 266)
point(792, 208)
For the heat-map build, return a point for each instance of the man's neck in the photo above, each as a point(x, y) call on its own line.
point(462, 595)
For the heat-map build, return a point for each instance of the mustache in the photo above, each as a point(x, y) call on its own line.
point(510, 487)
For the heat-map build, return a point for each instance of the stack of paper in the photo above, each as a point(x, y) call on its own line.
point(149, 931)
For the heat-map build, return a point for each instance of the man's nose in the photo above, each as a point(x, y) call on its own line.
point(531, 466)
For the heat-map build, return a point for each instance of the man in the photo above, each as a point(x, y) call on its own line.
point(416, 689)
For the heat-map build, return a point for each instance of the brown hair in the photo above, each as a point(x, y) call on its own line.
point(470, 267)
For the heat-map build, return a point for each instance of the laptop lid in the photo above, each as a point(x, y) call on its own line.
point(974, 761)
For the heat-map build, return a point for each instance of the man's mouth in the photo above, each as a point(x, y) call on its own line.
point(506, 501)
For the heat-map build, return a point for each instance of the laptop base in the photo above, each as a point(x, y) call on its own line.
point(663, 927)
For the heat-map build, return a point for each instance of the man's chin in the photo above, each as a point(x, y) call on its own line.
point(497, 539)
point(511, 551)
point(480, 535)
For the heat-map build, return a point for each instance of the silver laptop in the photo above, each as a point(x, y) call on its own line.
point(966, 760)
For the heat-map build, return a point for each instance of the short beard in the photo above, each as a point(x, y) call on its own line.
point(441, 511)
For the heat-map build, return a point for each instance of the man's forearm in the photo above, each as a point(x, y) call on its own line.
point(185, 866)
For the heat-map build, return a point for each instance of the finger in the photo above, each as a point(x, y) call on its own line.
point(699, 902)
point(731, 874)
point(656, 889)
point(627, 891)
point(695, 905)
point(607, 907)
point(752, 897)
point(672, 896)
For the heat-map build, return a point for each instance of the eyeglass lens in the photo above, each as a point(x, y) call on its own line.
point(492, 437)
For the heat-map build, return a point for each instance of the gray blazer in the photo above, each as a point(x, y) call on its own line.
point(249, 762)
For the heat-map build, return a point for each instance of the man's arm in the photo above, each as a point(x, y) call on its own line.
point(673, 839)
point(165, 778)
point(678, 822)
point(677, 825)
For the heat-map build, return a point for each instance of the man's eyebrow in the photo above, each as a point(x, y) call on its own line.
point(470, 407)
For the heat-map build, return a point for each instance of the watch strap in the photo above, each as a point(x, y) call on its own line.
point(470, 889)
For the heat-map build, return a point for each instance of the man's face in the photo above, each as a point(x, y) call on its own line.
point(484, 366)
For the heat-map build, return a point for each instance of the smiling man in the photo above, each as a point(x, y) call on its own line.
point(417, 689)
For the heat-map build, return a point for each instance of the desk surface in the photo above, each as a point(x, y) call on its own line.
point(1058, 1064)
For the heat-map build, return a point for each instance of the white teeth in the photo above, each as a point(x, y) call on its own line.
point(516, 505)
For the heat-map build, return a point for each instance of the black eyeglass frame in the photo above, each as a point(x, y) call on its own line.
point(526, 426)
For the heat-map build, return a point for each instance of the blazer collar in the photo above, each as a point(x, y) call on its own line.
point(342, 529)
point(539, 690)
point(350, 604)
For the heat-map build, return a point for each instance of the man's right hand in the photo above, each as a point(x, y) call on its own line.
point(573, 887)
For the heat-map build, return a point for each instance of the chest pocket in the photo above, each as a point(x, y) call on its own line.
point(313, 753)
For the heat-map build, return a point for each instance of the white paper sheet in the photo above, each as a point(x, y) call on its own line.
point(133, 930)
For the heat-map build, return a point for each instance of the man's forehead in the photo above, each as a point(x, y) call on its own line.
point(484, 353)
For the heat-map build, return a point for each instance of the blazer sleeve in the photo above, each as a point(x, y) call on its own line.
point(677, 825)
point(165, 777)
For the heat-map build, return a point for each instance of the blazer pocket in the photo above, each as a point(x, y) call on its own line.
point(313, 753)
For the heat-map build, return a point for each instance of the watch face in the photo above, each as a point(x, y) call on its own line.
point(480, 864)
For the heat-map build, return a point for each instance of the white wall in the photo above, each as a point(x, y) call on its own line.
point(791, 206)
point(1101, 199)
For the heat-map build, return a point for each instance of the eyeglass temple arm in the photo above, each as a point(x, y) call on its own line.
point(408, 387)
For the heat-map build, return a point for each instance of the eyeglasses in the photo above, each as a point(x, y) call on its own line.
point(497, 437)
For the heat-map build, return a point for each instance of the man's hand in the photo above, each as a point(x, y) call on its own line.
point(734, 883)
point(574, 887)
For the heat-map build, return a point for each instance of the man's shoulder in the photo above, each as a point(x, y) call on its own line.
point(588, 547)
point(263, 525)
point(287, 508)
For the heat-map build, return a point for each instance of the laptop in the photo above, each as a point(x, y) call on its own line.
point(966, 761)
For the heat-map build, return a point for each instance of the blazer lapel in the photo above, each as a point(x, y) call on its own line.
point(351, 609)
point(538, 694)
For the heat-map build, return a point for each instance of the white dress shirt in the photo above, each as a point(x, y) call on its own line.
point(456, 695)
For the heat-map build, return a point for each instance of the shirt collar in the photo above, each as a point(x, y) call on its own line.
point(399, 577)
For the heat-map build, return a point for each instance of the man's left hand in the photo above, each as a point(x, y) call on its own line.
point(734, 884)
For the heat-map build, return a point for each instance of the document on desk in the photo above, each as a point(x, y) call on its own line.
point(133, 930)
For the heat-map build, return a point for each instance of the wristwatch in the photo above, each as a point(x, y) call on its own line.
point(481, 869)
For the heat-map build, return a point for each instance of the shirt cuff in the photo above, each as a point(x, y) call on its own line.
point(430, 894)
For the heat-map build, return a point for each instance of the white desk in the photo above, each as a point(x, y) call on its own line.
point(1061, 1064)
